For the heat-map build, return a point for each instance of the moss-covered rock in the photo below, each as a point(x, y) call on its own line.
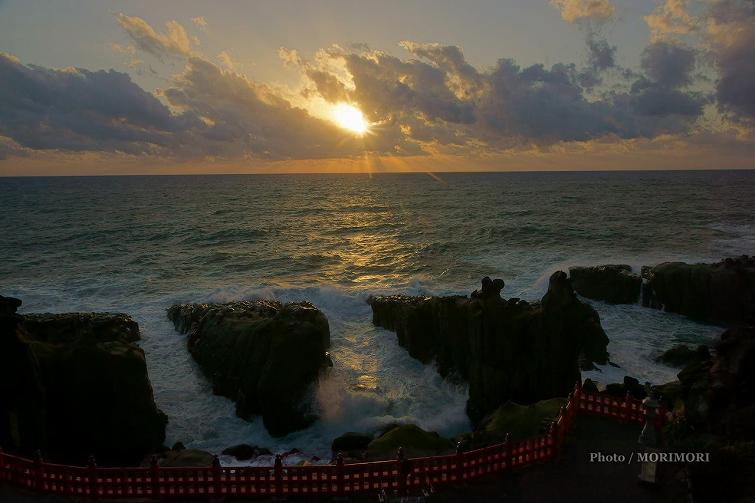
point(521, 421)
point(505, 349)
point(615, 284)
point(724, 291)
point(262, 354)
point(351, 442)
point(186, 458)
point(414, 440)
point(76, 384)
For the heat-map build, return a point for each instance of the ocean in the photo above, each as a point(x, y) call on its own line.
point(140, 244)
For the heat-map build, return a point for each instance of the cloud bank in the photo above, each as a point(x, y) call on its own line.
point(432, 102)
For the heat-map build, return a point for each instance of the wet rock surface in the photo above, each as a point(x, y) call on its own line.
point(505, 350)
point(262, 354)
point(615, 284)
point(76, 384)
point(723, 292)
point(682, 355)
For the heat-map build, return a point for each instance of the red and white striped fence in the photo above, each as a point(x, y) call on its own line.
point(340, 479)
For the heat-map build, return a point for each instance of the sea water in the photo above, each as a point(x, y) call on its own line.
point(141, 244)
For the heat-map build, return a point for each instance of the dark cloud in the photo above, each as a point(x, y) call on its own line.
point(442, 98)
point(732, 37)
point(433, 99)
point(386, 86)
point(221, 114)
point(601, 55)
point(669, 65)
point(75, 109)
point(652, 99)
point(327, 85)
point(244, 118)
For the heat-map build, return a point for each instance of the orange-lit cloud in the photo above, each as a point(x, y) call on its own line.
point(432, 110)
point(574, 10)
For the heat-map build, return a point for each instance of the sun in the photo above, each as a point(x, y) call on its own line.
point(349, 118)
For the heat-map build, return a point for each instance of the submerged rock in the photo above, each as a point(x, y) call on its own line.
point(723, 292)
point(262, 354)
point(412, 439)
point(615, 284)
point(505, 350)
point(76, 384)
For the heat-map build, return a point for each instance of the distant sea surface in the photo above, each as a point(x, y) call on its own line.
point(140, 244)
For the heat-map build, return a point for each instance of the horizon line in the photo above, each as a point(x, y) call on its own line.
point(392, 172)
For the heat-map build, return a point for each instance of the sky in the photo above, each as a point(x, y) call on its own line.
point(139, 87)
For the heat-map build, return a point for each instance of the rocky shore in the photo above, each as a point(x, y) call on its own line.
point(74, 385)
point(505, 349)
point(722, 292)
point(262, 354)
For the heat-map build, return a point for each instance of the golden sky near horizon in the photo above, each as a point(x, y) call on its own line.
point(607, 85)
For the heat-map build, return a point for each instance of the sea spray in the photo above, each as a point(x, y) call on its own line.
point(334, 240)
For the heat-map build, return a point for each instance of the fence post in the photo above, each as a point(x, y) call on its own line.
point(552, 446)
point(216, 473)
point(154, 470)
point(661, 419)
point(508, 451)
point(92, 473)
point(339, 473)
point(278, 473)
point(562, 425)
point(459, 462)
point(39, 479)
point(401, 460)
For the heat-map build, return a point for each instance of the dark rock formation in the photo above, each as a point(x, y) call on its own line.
point(262, 354)
point(722, 292)
point(615, 284)
point(714, 407)
point(414, 440)
point(629, 385)
point(732, 383)
point(589, 386)
point(76, 384)
point(351, 442)
point(682, 355)
point(9, 305)
point(506, 350)
point(245, 452)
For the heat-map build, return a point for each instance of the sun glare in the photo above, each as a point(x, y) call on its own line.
point(349, 118)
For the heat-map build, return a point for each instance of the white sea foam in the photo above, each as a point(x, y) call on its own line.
point(138, 245)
